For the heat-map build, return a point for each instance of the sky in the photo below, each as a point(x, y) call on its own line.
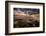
point(27, 9)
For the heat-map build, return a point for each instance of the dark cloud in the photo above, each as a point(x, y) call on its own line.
point(27, 9)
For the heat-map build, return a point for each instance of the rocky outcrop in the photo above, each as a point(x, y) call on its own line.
point(26, 20)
